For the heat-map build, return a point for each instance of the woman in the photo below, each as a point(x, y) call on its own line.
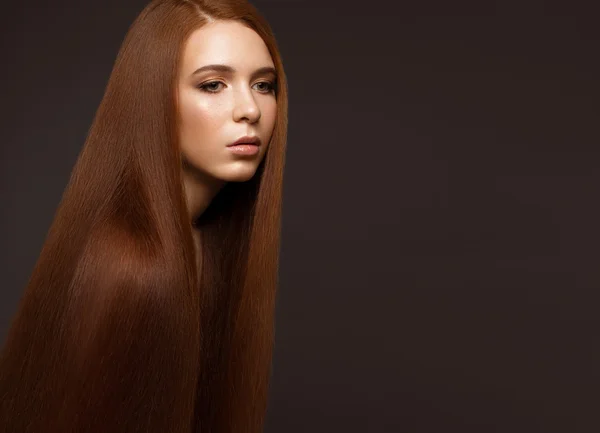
point(150, 308)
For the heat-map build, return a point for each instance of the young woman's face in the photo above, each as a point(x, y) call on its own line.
point(220, 104)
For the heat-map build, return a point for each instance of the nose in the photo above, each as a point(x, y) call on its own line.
point(245, 107)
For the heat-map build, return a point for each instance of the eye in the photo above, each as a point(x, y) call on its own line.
point(210, 87)
point(266, 86)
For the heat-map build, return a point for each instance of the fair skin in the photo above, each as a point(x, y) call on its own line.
point(217, 107)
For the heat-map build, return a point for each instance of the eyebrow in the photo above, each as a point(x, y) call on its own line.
point(231, 70)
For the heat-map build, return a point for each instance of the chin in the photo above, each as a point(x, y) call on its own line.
point(239, 174)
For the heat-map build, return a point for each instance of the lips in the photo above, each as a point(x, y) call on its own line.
point(246, 140)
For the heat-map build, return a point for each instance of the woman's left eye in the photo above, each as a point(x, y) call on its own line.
point(267, 86)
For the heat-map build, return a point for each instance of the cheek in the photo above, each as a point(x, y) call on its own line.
point(199, 122)
point(269, 114)
point(195, 115)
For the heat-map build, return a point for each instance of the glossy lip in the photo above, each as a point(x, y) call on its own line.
point(246, 140)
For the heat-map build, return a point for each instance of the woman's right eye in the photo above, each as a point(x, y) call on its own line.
point(210, 87)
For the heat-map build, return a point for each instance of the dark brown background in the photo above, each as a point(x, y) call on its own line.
point(440, 249)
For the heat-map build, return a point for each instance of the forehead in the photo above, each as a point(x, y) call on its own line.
point(227, 42)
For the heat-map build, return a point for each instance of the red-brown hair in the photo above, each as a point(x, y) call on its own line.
point(116, 330)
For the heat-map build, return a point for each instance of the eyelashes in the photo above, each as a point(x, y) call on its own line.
point(209, 87)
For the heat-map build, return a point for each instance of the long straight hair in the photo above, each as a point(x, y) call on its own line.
point(116, 330)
